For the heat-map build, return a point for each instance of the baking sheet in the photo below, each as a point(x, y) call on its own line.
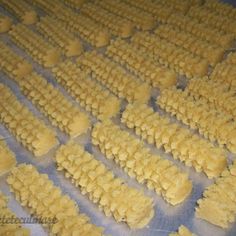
point(167, 218)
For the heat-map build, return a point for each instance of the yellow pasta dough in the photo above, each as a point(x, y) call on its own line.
point(141, 65)
point(111, 195)
point(113, 76)
point(158, 174)
point(182, 231)
point(217, 205)
point(5, 23)
point(75, 4)
point(27, 184)
point(10, 229)
point(185, 146)
point(31, 132)
point(91, 95)
point(7, 158)
point(39, 49)
point(52, 103)
point(231, 58)
point(16, 67)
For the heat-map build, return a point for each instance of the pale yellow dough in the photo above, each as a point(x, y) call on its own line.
point(5, 23)
point(183, 231)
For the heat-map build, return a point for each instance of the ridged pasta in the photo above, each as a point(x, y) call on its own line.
point(114, 77)
point(31, 132)
point(12, 229)
point(197, 114)
point(7, 158)
point(59, 36)
point(177, 58)
point(217, 205)
point(185, 146)
point(216, 94)
point(116, 25)
point(75, 4)
point(201, 30)
point(49, 7)
point(212, 19)
point(13, 65)
point(141, 65)
point(142, 20)
point(131, 155)
point(182, 231)
point(52, 103)
point(5, 23)
point(27, 183)
point(90, 95)
point(212, 53)
point(39, 49)
point(221, 8)
point(111, 194)
point(21, 10)
point(225, 73)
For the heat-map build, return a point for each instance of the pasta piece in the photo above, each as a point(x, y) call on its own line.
point(131, 155)
point(201, 30)
point(13, 228)
point(221, 8)
point(185, 146)
point(49, 7)
point(13, 65)
point(225, 73)
point(212, 19)
point(142, 20)
point(141, 65)
point(75, 4)
point(217, 205)
point(93, 97)
point(182, 231)
point(117, 25)
point(5, 23)
point(212, 53)
point(31, 132)
point(53, 104)
point(27, 184)
point(59, 36)
point(177, 58)
point(112, 196)
point(115, 77)
point(39, 49)
point(231, 58)
point(216, 94)
point(21, 10)
point(197, 114)
point(7, 158)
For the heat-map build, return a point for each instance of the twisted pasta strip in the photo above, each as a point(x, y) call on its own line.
point(157, 173)
point(225, 73)
point(10, 229)
point(185, 146)
point(142, 20)
point(221, 8)
point(141, 65)
point(212, 19)
point(212, 53)
point(111, 194)
point(182, 231)
point(217, 95)
point(39, 49)
point(116, 25)
point(5, 23)
point(7, 158)
point(217, 205)
point(13, 65)
point(158, 11)
point(100, 102)
point(75, 4)
point(201, 30)
point(31, 132)
point(59, 36)
point(53, 104)
point(27, 183)
point(177, 58)
point(115, 77)
point(21, 10)
point(197, 114)
point(231, 58)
